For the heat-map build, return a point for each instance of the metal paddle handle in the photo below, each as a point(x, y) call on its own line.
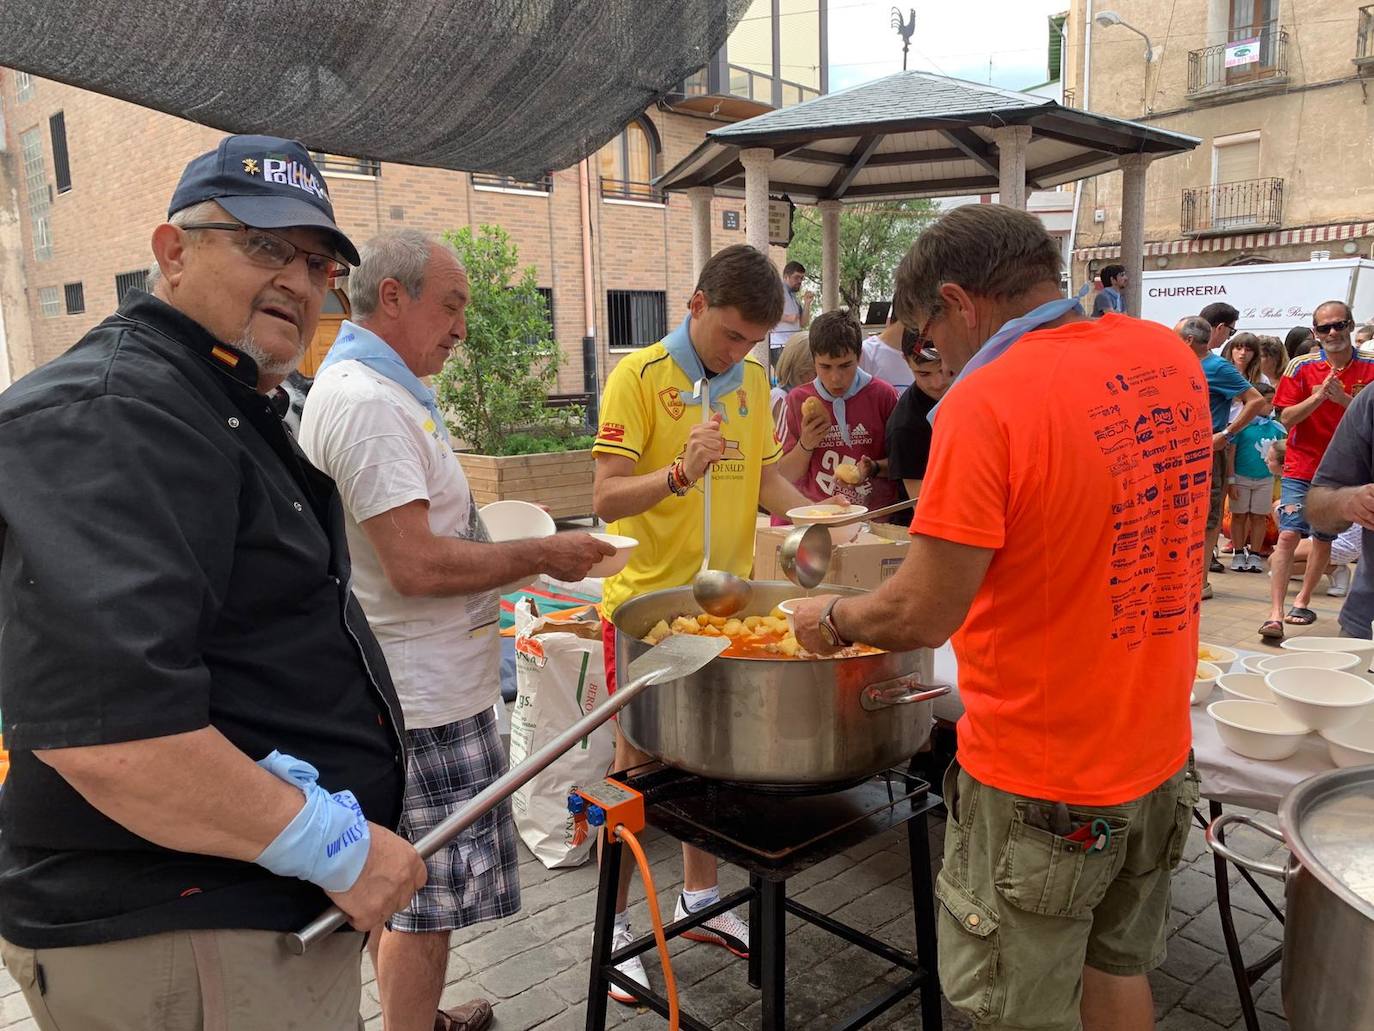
point(704, 393)
point(488, 799)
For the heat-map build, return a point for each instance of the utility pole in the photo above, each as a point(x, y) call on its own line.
point(906, 28)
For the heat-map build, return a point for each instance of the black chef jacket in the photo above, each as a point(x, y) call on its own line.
point(168, 561)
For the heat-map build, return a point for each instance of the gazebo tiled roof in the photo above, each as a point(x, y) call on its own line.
point(915, 134)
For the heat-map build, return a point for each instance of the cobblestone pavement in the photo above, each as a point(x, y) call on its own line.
point(534, 967)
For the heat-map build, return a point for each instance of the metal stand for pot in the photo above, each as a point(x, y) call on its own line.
point(1245, 975)
point(759, 833)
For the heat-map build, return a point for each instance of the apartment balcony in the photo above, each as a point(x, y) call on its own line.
point(1364, 41)
point(625, 189)
point(1256, 64)
point(1240, 207)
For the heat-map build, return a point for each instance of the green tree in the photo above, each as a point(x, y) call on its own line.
point(873, 240)
point(495, 384)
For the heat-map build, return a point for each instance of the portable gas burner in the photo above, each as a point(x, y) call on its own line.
point(774, 836)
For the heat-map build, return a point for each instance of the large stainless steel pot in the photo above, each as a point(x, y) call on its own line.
point(782, 722)
point(1328, 931)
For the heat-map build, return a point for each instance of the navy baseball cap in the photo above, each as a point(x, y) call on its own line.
point(263, 181)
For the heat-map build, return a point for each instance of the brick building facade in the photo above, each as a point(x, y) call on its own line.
point(84, 179)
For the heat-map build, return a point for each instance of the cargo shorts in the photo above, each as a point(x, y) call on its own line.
point(1021, 910)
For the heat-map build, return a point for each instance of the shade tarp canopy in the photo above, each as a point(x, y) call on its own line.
point(914, 134)
point(516, 87)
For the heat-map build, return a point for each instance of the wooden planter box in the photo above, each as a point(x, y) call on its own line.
point(561, 481)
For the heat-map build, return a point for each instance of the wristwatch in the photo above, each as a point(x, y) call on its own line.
point(828, 631)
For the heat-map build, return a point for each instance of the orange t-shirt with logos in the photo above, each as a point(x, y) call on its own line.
point(1082, 458)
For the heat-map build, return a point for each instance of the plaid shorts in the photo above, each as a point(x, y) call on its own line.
point(476, 877)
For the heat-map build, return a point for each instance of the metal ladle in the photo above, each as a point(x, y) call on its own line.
point(717, 592)
point(805, 552)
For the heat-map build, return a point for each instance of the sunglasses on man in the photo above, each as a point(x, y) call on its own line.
point(1332, 327)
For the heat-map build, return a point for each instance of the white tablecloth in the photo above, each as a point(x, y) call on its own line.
point(1225, 777)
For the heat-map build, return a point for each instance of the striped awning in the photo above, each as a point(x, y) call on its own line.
point(1237, 242)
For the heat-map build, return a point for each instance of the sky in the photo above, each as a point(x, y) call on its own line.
point(953, 37)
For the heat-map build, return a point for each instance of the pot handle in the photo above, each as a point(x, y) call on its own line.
point(902, 691)
point(1217, 845)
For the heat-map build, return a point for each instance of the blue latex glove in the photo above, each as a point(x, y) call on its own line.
point(327, 842)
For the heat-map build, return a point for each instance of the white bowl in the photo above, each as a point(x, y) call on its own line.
point(1352, 745)
point(516, 521)
point(612, 564)
point(1321, 699)
point(1311, 660)
point(1256, 730)
point(1205, 682)
point(1216, 655)
point(824, 515)
point(1247, 687)
point(1349, 645)
point(1250, 663)
point(788, 607)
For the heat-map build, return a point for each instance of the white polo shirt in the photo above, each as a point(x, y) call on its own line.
point(383, 450)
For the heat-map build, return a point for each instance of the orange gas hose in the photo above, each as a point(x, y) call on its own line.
point(670, 983)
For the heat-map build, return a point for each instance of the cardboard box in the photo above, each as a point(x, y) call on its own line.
point(864, 563)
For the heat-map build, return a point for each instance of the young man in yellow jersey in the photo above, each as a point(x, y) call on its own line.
point(652, 451)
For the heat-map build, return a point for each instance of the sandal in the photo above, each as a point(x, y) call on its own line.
point(1300, 617)
point(1271, 630)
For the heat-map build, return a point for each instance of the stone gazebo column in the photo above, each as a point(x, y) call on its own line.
point(1133, 168)
point(757, 162)
point(700, 197)
point(1012, 141)
point(830, 255)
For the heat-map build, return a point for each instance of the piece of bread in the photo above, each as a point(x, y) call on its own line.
point(848, 472)
point(813, 406)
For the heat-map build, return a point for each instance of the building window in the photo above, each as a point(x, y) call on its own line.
point(36, 192)
point(23, 86)
point(126, 281)
point(545, 295)
point(636, 318)
point(1235, 158)
point(50, 301)
point(61, 164)
point(629, 163)
point(339, 164)
point(482, 181)
point(76, 298)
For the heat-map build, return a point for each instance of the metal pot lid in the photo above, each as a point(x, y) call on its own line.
point(1328, 822)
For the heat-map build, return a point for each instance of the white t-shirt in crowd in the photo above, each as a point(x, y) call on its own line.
point(382, 449)
point(886, 363)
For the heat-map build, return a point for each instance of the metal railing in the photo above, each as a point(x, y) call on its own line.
point(1243, 61)
point(348, 165)
point(1233, 207)
point(1364, 36)
point(626, 189)
point(505, 182)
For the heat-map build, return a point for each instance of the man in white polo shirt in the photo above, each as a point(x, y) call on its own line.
point(426, 574)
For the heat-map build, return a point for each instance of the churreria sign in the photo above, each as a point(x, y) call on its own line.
point(1202, 290)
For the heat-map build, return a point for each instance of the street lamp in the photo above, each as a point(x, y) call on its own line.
point(1107, 19)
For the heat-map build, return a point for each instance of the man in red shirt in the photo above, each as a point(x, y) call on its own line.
point(1058, 539)
point(839, 421)
point(1313, 394)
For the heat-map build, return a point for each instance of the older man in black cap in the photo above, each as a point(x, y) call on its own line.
point(205, 745)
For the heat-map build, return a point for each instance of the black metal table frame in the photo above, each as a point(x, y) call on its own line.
point(768, 909)
point(1245, 975)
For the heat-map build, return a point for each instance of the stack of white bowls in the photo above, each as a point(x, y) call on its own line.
point(1321, 684)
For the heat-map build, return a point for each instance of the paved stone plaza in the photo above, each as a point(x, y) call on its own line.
point(534, 967)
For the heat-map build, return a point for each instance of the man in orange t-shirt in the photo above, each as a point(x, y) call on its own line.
point(1059, 533)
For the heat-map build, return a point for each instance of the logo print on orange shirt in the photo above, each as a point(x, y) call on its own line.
point(671, 399)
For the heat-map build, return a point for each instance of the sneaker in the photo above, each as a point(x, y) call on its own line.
point(1340, 582)
point(1216, 566)
point(1256, 563)
point(1240, 561)
point(633, 968)
point(725, 930)
point(1206, 592)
